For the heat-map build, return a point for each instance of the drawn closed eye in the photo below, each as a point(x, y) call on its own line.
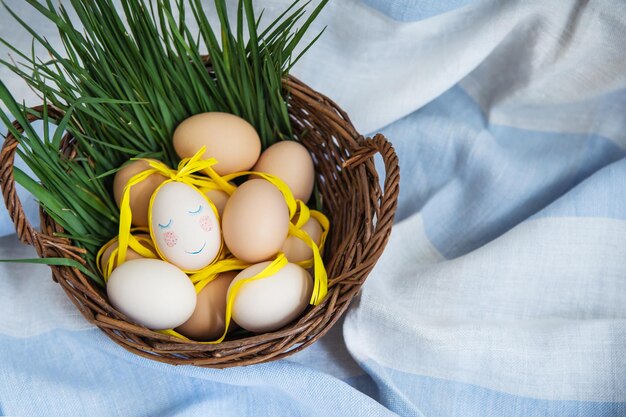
point(165, 226)
point(198, 210)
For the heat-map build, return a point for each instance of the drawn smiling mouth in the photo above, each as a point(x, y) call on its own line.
point(198, 251)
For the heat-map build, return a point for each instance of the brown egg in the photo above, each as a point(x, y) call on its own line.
point(208, 319)
point(255, 221)
point(130, 254)
point(218, 198)
point(295, 249)
point(139, 193)
point(292, 163)
point(230, 139)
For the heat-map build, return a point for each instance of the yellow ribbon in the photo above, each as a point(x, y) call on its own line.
point(305, 214)
point(320, 287)
point(272, 269)
point(292, 203)
point(206, 275)
point(186, 173)
point(140, 244)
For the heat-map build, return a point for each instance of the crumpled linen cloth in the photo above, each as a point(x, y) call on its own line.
point(501, 291)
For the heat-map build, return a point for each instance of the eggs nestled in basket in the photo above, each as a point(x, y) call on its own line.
point(223, 241)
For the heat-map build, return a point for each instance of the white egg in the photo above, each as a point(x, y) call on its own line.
point(184, 226)
point(270, 303)
point(152, 292)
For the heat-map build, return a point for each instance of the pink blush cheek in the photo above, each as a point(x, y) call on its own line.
point(170, 239)
point(206, 223)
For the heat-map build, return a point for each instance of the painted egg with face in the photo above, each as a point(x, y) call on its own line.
point(184, 226)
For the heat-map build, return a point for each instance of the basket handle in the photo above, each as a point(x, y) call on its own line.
point(391, 188)
point(25, 231)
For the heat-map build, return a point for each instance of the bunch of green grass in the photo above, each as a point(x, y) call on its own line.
point(127, 79)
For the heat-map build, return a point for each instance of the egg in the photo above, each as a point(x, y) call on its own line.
point(218, 198)
point(130, 254)
point(230, 139)
point(292, 163)
point(184, 227)
point(152, 292)
point(140, 193)
point(270, 303)
point(295, 249)
point(255, 221)
point(208, 320)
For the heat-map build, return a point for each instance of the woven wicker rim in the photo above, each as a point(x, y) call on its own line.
point(360, 212)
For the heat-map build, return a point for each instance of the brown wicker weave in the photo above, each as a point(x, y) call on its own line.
point(360, 213)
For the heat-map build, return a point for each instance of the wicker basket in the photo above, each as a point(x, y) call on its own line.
point(360, 212)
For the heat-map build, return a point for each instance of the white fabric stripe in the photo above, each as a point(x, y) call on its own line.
point(558, 84)
point(539, 312)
